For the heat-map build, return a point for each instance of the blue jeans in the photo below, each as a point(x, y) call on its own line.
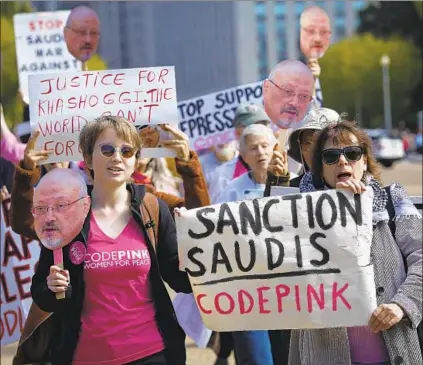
point(252, 348)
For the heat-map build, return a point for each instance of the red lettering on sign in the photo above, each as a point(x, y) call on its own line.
point(20, 282)
point(339, 294)
point(10, 321)
point(204, 310)
point(10, 249)
point(163, 73)
point(261, 300)
point(229, 299)
point(6, 294)
point(311, 293)
point(280, 295)
point(242, 307)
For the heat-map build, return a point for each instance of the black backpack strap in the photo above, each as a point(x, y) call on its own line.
point(391, 210)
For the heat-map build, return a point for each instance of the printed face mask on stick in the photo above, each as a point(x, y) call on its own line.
point(60, 207)
point(315, 32)
point(287, 94)
point(82, 33)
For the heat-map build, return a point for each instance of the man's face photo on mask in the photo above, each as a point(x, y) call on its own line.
point(60, 206)
point(82, 33)
point(315, 32)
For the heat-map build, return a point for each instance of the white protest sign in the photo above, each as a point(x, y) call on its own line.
point(207, 120)
point(297, 261)
point(283, 190)
point(61, 104)
point(41, 47)
point(18, 259)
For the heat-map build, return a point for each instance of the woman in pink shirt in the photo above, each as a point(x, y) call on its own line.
point(117, 309)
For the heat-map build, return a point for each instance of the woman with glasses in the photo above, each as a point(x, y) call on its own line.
point(343, 159)
point(117, 309)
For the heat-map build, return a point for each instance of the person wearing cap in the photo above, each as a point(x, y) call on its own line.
point(301, 143)
point(245, 115)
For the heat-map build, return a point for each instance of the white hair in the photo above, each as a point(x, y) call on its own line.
point(68, 176)
point(256, 130)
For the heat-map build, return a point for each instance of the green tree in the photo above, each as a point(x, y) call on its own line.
point(352, 78)
point(10, 99)
point(386, 19)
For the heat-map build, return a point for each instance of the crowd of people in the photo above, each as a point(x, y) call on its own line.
point(124, 315)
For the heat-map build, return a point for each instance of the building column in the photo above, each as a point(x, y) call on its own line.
point(272, 41)
point(291, 30)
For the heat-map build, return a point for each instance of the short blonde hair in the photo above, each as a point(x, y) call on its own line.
point(90, 132)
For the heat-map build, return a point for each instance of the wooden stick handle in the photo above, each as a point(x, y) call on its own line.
point(58, 261)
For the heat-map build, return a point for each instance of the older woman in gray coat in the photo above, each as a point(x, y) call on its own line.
point(343, 159)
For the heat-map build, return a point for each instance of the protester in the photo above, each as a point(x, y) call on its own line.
point(156, 173)
point(245, 115)
point(301, 140)
point(82, 32)
point(256, 146)
point(135, 321)
point(216, 156)
point(343, 159)
point(11, 149)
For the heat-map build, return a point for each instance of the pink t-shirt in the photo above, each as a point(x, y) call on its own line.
point(118, 324)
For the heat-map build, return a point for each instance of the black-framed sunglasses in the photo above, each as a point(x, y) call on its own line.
point(109, 150)
point(351, 153)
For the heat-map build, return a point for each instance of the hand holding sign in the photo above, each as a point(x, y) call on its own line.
point(32, 157)
point(60, 207)
point(278, 165)
point(58, 280)
point(313, 64)
point(356, 186)
point(180, 143)
point(385, 316)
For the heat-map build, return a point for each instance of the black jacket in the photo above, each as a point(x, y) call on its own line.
point(164, 264)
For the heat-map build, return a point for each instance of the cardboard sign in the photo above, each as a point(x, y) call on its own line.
point(41, 47)
point(61, 104)
point(297, 261)
point(207, 120)
point(19, 256)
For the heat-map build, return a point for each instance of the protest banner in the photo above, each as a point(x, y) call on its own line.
point(297, 261)
point(19, 256)
point(41, 47)
point(61, 104)
point(207, 120)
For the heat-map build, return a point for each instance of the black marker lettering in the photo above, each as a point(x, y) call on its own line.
point(323, 251)
point(271, 263)
point(252, 256)
point(293, 198)
point(206, 222)
point(266, 223)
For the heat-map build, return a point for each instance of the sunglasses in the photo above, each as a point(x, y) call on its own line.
point(351, 153)
point(109, 150)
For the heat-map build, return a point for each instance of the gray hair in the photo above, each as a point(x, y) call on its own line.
point(69, 176)
point(256, 130)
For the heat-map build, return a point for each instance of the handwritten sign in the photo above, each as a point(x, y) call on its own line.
point(61, 104)
point(297, 261)
point(19, 256)
point(40, 46)
point(207, 120)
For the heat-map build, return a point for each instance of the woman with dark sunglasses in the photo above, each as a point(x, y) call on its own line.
point(117, 309)
point(343, 159)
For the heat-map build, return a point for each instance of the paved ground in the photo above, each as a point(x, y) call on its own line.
point(408, 173)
